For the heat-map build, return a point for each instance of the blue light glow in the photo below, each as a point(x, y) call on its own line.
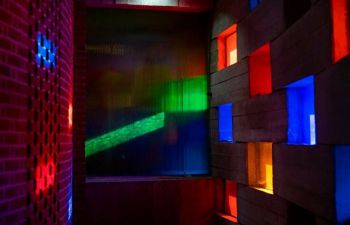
point(225, 123)
point(342, 170)
point(253, 4)
point(46, 54)
point(70, 208)
point(301, 112)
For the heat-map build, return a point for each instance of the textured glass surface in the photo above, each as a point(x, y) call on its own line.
point(146, 93)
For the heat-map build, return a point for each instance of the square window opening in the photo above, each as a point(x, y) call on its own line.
point(260, 166)
point(342, 171)
point(253, 4)
point(341, 29)
point(301, 112)
point(231, 198)
point(227, 47)
point(260, 71)
point(229, 212)
point(225, 123)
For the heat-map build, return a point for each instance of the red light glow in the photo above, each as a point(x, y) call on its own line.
point(227, 47)
point(228, 217)
point(45, 176)
point(260, 71)
point(341, 37)
point(70, 115)
point(231, 198)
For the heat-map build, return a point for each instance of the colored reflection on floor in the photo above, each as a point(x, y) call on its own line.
point(124, 134)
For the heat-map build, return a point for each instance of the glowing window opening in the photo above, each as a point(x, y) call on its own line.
point(225, 123)
point(342, 183)
point(260, 81)
point(260, 168)
point(301, 112)
point(253, 4)
point(227, 47)
point(341, 29)
point(231, 198)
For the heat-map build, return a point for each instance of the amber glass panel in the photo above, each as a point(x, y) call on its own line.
point(260, 168)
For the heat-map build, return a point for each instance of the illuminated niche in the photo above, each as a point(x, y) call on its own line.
point(227, 47)
point(253, 4)
point(231, 199)
point(342, 181)
point(225, 123)
point(301, 112)
point(341, 29)
point(260, 71)
point(260, 168)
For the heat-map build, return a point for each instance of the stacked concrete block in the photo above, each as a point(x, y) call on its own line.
point(308, 180)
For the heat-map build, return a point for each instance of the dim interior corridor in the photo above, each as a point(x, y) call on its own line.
point(174, 112)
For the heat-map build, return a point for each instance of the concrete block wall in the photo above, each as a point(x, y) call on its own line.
point(304, 177)
point(35, 106)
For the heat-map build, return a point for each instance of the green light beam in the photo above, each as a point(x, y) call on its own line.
point(124, 134)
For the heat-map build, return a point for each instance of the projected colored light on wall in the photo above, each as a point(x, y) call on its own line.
point(341, 29)
point(260, 71)
point(260, 169)
point(124, 134)
point(225, 123)
point(227, 47)
point(186, 95)
point(44, 176)
point(253, 4)
point(342, 194)
point(301, 112)
point(46, 52)
point(160, 67)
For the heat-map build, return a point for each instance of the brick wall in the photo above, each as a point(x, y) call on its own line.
point(36, 95)
point(304, 176)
